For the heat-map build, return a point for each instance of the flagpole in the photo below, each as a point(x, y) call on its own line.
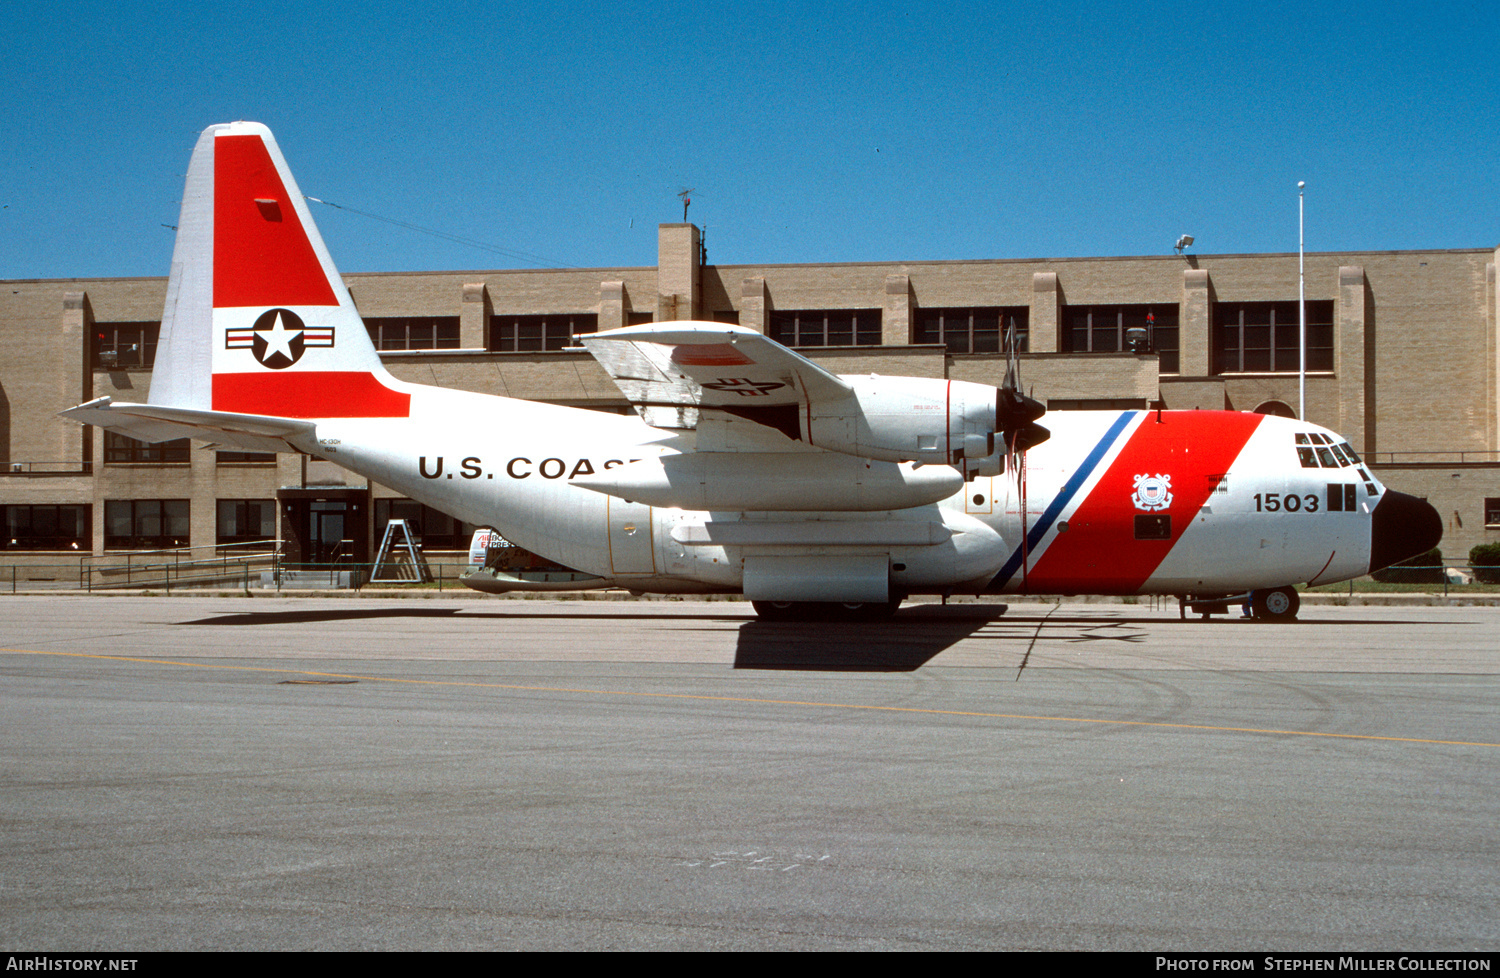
point(1301, 313)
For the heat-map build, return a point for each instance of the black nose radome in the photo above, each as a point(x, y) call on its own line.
point(1402, 526)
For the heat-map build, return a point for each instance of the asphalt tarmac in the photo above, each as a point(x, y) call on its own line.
point(462, 773)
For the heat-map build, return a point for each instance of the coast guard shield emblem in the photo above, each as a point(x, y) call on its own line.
point(1152, 492)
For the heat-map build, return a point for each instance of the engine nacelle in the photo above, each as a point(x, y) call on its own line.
point(907, 419)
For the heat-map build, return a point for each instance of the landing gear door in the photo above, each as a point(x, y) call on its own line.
point(631, 550)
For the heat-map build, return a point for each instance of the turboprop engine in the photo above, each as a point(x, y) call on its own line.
point(907, 419)
point(912, 419)
point(899, 429)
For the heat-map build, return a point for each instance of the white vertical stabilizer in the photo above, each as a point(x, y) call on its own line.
point(257, 319)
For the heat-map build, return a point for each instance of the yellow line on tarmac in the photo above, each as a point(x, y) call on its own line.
point(761, 700)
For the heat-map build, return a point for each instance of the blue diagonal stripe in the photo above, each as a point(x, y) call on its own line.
point(1061, 500)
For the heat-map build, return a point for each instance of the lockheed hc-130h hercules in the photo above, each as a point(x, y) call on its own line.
point(747, 468)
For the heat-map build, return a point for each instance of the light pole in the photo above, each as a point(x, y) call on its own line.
point(1301, 313)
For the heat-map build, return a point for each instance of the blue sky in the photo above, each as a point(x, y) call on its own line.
point(560, 134)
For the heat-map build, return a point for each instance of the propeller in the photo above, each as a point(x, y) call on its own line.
point(1015, 413)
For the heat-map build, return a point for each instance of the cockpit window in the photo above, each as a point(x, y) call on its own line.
point(1311, 451)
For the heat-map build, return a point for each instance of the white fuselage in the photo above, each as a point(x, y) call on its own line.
point(1225, 504)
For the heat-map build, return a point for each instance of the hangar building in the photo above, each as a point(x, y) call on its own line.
point(1403, 355)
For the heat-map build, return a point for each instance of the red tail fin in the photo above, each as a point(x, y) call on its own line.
point(258, 320)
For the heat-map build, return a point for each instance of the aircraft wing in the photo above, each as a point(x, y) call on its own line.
point(709, 365)
point(154, 423)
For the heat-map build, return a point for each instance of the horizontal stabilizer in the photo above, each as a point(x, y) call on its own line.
point(154, 423)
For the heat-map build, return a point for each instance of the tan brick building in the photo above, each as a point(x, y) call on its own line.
point(1404, 349)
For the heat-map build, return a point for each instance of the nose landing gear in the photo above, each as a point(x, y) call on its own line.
point(1275, 604)
point(1278, 604)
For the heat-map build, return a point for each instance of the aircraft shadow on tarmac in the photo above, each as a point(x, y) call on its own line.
point(317, 615)
point(904, 643)
point(959, 620)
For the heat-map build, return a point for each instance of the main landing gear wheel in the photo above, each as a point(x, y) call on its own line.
point(776, 610)
point(825, 610)
point(1276, 604)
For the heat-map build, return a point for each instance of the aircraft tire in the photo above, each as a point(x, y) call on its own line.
point(1277, 604)
point(779, 610)
point(865, 611)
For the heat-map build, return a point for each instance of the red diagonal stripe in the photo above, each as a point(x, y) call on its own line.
point(262, 256)
point(1099, 553)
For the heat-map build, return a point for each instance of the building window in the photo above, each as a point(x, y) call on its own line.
point(976, 330)
point(1492, 511)
point(413, 332)
point(120, 450)
point(727, 316)
point(1262, 337)
point(435, 530)
point(120, 346)
point(145, 524)
point(47, 528)
point(529, 334)
point(1161, 339)
point(826, 327)
point(246, 521)
point(1107, 329)
point(1276, 409)
point(244, 458)
point(1096, 404)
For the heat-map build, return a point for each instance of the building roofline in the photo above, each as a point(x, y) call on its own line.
point(1184, 259)
point(892, 263)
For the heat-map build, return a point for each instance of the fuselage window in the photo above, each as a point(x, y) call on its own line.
point(1341, 498)
point(1153, 527)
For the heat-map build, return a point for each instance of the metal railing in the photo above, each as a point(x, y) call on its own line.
point(230, 565)
point(42, 467)
point(1455, 457)
point(270, 571)
point(1480, 577)
point(173, 570)
point(146, 568)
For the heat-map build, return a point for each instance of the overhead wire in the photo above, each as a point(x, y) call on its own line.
point(456, 238)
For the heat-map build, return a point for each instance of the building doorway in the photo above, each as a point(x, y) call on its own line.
point(325, 527)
